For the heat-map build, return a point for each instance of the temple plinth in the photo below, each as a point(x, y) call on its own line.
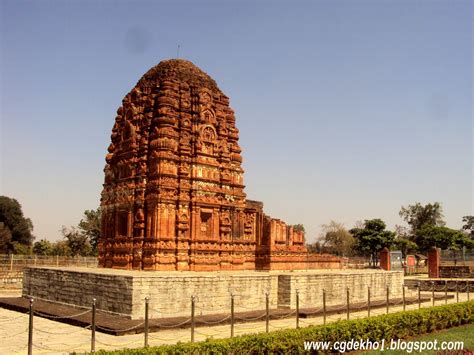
point(173, 196)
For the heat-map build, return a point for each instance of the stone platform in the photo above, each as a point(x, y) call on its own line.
point(123, 292)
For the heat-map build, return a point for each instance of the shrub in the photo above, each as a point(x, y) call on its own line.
point(390, 326)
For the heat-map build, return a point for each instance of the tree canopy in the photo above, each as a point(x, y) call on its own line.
point(15, 229)
point(417, 216)
point(442, 237)
point(468, 225)
point(90, 226)
point(406, 246)
point(298, 228)
point(336, 239)
point(372, 238)
point(83, 239)
point(43, 247)
point(77, 242)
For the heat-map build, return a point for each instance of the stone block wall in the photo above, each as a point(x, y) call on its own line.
point(170, 295)
point(124, 292)
point(11, 279)
point(311, 287)
point(112, 292)
point(456, 272)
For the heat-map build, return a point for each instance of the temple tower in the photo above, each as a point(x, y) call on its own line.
point(173, 196)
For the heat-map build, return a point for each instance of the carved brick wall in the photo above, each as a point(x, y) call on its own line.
point(173, 195)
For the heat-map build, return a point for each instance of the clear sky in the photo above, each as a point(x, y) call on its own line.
point(347, 110)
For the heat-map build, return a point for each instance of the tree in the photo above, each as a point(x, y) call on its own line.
point(43, 247)
point(83, 239)
point(16, 230)
point(77, 242)
point(315, 247)
point(336, 239)
point(403, 242)
point(90, 226)
point(469, 225)
point(442, 237)
point(5, 238)
point(418, 216)
point(406, 246)
point(371, 239)
point(61, 248)
point(298, 228)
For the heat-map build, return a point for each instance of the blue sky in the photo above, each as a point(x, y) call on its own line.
point(347, 110)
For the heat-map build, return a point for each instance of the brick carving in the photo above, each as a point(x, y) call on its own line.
point(173, 195)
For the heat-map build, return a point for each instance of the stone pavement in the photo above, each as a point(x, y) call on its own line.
point(52, 337)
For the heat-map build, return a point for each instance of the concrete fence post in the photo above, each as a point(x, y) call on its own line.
point(348, 303)
point(445, 291)
point(147, 300)
point(193, 323)
point(232, 315)
point(419, 295)
point(324, 306)
point(93, 327)
point(267, 308)
point(297, 309)
point(30, 328)
point(404, 299)
point(433, 292)
point(368, 301)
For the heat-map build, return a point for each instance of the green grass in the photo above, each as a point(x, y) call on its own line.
point(463, 333)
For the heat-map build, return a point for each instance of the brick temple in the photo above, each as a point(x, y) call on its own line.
point(173, 196)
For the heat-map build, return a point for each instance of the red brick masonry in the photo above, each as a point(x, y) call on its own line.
point(434, 257)
point(173, 195)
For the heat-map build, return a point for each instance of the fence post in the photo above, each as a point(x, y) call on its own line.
point(11, 262)
point(30, 329)
point(368, 301)
point(35, 259)
point(419, 295)
point(232, 315)
point(146, 320)
point(297, 309)
point(324, 306)
point(57, 260)
point(445, 291)
point(267, 308)
point(468, 287)
point(432, 292)
point(193, 324)
point(403, 295)
point(348, 303)
point(93, 327)
point(388, 299)
point(457, 292)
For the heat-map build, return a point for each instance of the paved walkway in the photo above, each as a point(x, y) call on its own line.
point(52, 337)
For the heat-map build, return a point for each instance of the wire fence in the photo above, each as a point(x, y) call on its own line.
point(13, 262)
point(452, 257)
point(243, 321)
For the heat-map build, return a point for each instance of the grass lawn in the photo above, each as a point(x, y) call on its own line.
point(464, 333)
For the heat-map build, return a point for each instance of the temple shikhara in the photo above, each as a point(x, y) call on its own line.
point(173, 196)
